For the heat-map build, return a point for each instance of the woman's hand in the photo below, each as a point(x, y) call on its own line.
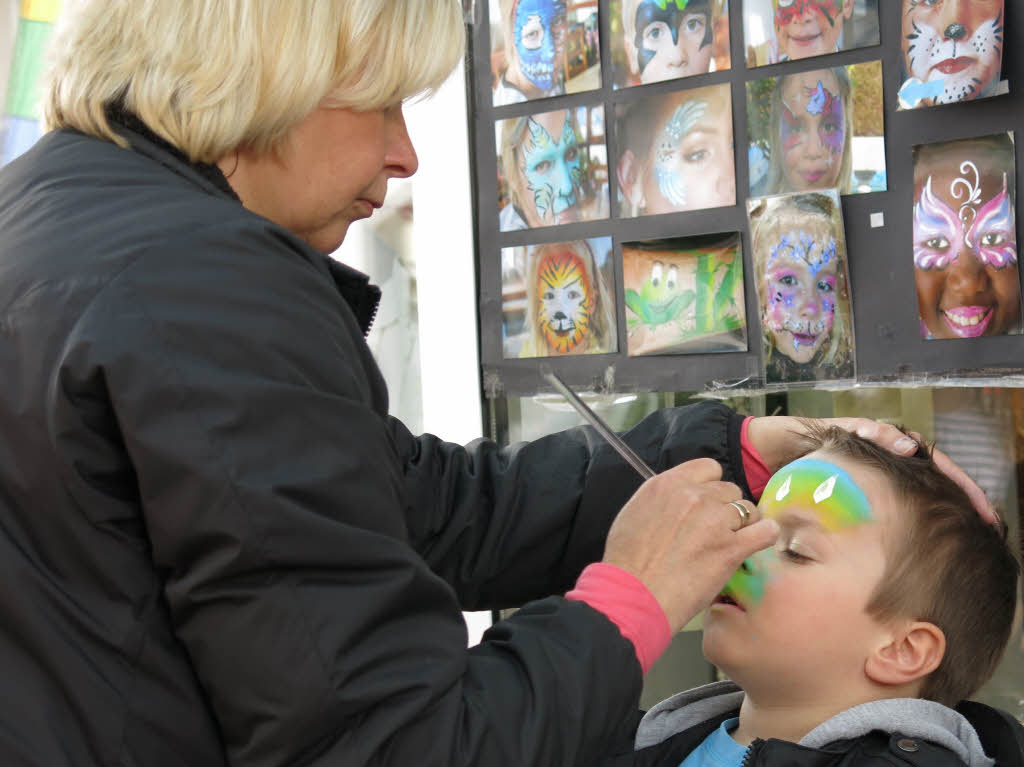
point(682, 537)
point(777, 440)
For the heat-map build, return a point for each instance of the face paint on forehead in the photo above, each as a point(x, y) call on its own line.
point(994, 235)
point(788, 10)
point(802, 245)
point(811, 485)
point(683, 120)
point(535, 23)
point(670, 13)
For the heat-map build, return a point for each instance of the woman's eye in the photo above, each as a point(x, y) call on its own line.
point(795, 556)
point(992, 239)
point(937, 243)
point(825, 287)
point(542, 167)
point(696, 156)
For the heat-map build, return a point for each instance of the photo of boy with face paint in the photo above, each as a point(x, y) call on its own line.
point(786, 30)
point(965, 238)
point(557, 299)
point(803, 135)
point(802, 287)
point(542, 48)
point(684, 295)
point(952, 51)
point(552, 168)
point(676, 152)
point(667, 39)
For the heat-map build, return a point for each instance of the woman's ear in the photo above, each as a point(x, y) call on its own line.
point(911, 652)
point(630, 175)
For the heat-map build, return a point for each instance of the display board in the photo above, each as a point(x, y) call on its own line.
point(620, 148)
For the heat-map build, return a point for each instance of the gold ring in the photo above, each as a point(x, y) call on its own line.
point(744, 513)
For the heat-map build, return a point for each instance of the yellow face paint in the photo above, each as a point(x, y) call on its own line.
point(564, 300)
point(810, 485)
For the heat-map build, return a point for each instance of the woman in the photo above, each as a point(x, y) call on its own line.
point(811, 133)
point(216, 546)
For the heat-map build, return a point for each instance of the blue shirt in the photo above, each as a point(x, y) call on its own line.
point(718, 749)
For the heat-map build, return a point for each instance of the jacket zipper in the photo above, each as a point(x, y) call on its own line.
point(748, 756)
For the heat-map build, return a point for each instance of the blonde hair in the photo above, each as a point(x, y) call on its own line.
point(211, 76)
point(777, 180)
point(772, 217)
point(601, 335)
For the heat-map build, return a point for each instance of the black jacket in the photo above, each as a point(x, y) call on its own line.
point(217, 548)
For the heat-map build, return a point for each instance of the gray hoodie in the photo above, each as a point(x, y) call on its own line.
point(912, 717)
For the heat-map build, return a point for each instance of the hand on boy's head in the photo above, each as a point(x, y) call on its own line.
point(778, 441)
point(680, 535)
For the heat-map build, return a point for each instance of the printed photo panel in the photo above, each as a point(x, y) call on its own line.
point(684, 295)
point(654, 40)
point(965, 238)
point(952, 51)
point(675, 152)
point(557, 299)
point(552, 168)
point(787, 30)
point(821, 129)
point(803, 292)
point(542, 48)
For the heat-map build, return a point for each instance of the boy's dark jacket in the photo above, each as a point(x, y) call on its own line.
point(695, 714)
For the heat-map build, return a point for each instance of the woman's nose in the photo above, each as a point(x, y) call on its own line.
point(401, 159)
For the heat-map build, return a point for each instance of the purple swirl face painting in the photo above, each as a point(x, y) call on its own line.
point(965, 242)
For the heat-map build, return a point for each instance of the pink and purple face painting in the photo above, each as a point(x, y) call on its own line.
point(812, 132)
point(808, 486)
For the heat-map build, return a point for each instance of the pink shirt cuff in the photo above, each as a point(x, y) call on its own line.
point(753, 467)
point(626, 602)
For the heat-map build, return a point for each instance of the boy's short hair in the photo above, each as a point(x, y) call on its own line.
point(944, 564)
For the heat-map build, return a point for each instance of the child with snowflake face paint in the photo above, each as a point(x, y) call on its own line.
point(952, 50)
point(569, 307)
point(811, 132)
point(800, 267)
point(534, 34)
point(965, 240)
point(850, 642)
point(666, 39)
point(677, 152)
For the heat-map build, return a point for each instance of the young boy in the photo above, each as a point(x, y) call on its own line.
point(885, 602)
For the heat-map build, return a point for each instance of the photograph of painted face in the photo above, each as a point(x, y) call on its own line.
point(684, 295)
point(965, 238)
point(802, 287)
point(557, 299)
point(822, 129)
point(552, 168)
point(655, 40)
point(542, 48)
point(952, 51)
point(676, 152)
point(786, 30)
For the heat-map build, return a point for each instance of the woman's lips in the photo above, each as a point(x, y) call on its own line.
point(952, 66)
point(968, 321)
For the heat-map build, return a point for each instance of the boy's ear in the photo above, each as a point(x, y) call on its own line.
point(913, 651)
point(629, 174)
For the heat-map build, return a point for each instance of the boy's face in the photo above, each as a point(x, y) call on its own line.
point(690, 164)
point(812, 131)
point(552, 170)
point(965, 245)
point(809, 27)
point(799, 287)
point(538, 27)
point(795, 620)
point(955, 42)
point(672, 39)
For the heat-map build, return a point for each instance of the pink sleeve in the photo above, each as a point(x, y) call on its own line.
point(753, 467)
point(627, 603)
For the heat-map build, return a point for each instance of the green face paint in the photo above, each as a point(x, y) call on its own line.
point(813, 486)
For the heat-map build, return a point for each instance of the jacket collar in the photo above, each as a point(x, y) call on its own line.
point(911, 717)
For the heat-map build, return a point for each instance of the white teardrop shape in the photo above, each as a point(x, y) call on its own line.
point(824, 490)
point(783, 491)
